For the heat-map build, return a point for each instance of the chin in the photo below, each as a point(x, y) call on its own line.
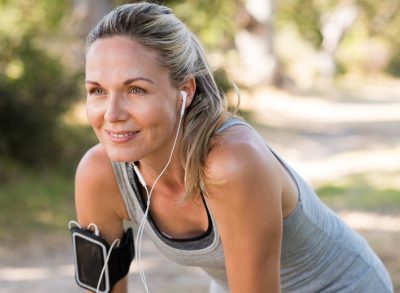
point(120, 156)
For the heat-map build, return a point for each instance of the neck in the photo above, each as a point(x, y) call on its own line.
point(152, 165)
point(151, 169)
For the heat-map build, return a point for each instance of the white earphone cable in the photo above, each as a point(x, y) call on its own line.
point(138, 242)
point(115, 242)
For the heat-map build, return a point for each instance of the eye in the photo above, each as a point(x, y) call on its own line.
point(136, 90)
point(96, 91)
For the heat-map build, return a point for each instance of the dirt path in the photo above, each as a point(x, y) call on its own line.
point(309, 133)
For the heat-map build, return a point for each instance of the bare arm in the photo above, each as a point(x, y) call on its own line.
point(98, 200)
point(248, 211)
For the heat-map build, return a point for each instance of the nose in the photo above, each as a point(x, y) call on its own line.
point(116, 110)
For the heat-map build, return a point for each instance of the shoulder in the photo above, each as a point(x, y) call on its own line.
point(95, 168)
point(95, 183)
point(239, 153)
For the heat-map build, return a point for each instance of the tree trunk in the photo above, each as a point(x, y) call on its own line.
point(255, 44)
point(333, 28)
point(85, 15)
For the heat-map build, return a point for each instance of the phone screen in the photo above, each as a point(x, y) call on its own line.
point(90, 261)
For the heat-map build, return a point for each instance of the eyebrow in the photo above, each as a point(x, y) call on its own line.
point(126, 82)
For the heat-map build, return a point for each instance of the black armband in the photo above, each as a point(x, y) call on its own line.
point(90, 254)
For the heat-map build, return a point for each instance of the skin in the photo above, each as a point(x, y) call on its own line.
point(134, 110)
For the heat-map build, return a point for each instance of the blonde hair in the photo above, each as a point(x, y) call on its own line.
point(181, 53)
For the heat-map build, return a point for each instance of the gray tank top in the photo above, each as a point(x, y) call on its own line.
point(320, 253)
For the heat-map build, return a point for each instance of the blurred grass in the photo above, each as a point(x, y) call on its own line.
point(366, 192)
point(41, 199)
point(35, 202)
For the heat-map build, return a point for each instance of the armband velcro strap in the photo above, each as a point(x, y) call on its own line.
point(121, 257)
point(90, 254)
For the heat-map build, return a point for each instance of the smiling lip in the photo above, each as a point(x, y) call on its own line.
point(121, 136)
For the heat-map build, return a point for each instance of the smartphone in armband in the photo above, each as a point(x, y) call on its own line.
point(90, 253)
point(90, 257)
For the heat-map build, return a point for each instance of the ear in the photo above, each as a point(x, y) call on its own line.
point(189, 86)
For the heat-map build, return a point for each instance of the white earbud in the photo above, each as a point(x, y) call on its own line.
point(184, 96)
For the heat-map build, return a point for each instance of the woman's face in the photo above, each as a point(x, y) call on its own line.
point(131, 104)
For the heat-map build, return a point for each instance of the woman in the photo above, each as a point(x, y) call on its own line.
point(224, 201)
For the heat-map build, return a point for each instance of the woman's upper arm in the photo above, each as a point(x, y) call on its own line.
point(98, 201)
point(248, 211)
point(97, 197)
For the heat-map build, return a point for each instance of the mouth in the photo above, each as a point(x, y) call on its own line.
point(121, 136)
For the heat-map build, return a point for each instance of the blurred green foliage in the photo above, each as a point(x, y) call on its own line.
point(376, 21)
point(212, 21)
point(305, 15)
point(35, 88)
point(34, 92)
point(393, 67)
point(382, 20)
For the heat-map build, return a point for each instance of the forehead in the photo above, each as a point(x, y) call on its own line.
point(122, 55)
point(120, 43)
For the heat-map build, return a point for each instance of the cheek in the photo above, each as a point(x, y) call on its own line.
point(156, 114)
point(94, 121)
point(94, 114)
point(166, 117)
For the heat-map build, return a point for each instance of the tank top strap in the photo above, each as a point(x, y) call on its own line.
point(230, 122)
